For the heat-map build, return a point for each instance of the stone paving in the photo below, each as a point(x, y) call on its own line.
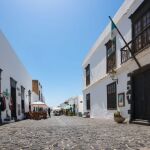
point(75, 133)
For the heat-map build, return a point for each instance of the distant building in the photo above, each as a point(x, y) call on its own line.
point(79, 104)
point(75, 103)
point(37, 94)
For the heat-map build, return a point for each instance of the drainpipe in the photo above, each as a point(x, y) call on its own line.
point(0, 96)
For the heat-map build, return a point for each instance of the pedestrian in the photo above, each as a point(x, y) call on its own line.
point(49, 112)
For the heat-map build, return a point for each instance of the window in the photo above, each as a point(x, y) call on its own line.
point(141, 30)
point(88, 103)
point(66, 103)
point(146, 23)
point(22, 99)
point(87, 69)
point(111, 96)
point(39, 96)
point(111, 54)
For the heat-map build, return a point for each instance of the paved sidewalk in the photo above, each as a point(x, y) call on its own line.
point(73, 133)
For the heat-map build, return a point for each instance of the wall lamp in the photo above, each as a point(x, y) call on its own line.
point(112, 75)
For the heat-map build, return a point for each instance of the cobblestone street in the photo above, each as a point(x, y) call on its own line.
point(73, 133)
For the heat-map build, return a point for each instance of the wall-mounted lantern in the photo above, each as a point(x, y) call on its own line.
point(113, 76)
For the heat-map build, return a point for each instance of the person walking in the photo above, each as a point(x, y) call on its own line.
point(49, 112)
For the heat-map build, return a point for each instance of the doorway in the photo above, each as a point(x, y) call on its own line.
point(13, 99)
point(141, 95)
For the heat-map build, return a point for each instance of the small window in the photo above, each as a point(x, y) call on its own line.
point(111, 54)
point(88, 103)
point(66, 103)
point(39, 95)
point(87, 69)
point(22, 99)
point(22, 93)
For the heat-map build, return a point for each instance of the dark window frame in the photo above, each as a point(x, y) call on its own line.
point(22, 99)
point(88, 101)
point(139, 26)
point(111, 62)
point(112, 96)
point(87, 72)
point(140, 33)
point(39, 95)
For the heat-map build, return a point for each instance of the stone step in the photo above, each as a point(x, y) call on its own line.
point(142, 122)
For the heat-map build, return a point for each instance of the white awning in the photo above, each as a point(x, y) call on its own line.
point(38, 103)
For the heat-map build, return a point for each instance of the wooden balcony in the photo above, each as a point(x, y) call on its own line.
point(137, 44)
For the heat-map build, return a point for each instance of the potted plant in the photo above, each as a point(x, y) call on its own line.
point(118, 117)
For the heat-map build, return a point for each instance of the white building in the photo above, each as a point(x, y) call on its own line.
point(74, 102)
point(80, 104)
point(129, 89)
point(37, 93)
point(16, 83)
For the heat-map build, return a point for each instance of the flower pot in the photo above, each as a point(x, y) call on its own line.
point(119, 119)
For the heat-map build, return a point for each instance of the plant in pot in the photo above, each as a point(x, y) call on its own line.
point(118, 117)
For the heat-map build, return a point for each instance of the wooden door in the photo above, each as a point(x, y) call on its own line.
point(141, 95)
point(13, 97)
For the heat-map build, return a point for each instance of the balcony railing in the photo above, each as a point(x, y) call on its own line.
point(138, 44)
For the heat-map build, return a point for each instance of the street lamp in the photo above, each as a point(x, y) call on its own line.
point(112, 75)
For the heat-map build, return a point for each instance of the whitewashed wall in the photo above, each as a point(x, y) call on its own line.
point(80, 104)
point(35, 97)
point(97, 55)
point(12, 67)
point(97, 60)
point(78, 101)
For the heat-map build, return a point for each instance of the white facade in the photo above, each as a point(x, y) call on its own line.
point(80, 104)
point(41, 92)
point(13, 68)
point(37, 94)
point(76, 101)
point(35, 97)
point(39, 98)
point(96, 57)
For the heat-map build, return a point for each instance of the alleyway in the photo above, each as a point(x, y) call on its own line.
point(73, 133)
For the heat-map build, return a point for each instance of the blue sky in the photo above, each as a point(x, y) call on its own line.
point(52, 37)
